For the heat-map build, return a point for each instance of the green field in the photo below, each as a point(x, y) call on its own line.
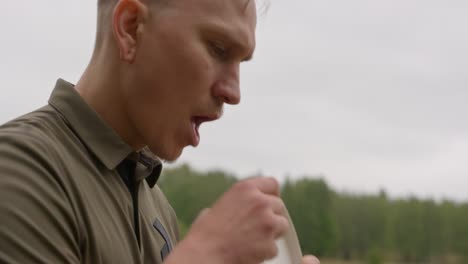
point(373, 228)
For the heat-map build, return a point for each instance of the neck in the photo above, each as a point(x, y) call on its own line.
point(101, 88)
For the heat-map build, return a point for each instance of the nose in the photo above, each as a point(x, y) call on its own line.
point(227, 88)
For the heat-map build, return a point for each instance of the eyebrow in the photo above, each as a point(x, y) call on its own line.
point(239, 46)
point(225, 34)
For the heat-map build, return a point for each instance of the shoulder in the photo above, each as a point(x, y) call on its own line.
point(30, 150)
point(33, 202)
point(36, 133)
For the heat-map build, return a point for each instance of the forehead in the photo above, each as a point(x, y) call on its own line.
point(238, 17)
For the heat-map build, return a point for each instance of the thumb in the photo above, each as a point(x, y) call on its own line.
point(310, 260)
point(202, 213)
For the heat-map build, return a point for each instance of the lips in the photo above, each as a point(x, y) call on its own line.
point(196, 122)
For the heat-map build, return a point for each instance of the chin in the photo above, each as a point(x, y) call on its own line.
point(170, 156)
point(167, 151)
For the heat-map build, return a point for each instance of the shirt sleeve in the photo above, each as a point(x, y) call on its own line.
point(37, 221)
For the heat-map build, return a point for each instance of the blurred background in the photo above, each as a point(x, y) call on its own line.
point(357, 107)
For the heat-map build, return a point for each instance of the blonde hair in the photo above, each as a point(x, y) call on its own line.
point(106, 7)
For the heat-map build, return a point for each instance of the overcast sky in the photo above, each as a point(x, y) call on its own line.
point(366, 94)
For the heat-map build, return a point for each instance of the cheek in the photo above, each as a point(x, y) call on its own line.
point(175, 60)
point(170, 78)
point(187, 60)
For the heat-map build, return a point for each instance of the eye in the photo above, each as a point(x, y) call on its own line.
point(219, 50)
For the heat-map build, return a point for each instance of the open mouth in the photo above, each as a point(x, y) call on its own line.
point(196, 123)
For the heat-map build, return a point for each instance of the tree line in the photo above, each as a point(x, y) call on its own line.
point(368, 228)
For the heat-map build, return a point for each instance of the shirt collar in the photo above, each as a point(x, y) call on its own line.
point(95, 134)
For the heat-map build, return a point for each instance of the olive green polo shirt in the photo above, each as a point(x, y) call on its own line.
point(62, 199)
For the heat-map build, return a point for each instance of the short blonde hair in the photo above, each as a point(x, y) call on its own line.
point(106, 7)
point(104, 17)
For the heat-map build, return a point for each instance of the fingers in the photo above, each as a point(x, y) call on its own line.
point(267, 185)
point(271, 252)
point(310, 260)
point(276, 204)
point(281, 227)
point(276, 222)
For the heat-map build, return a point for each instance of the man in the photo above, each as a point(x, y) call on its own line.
point(77, 177)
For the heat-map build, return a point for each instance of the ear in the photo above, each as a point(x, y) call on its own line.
point(127, 22)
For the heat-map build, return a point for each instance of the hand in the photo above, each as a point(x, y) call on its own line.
point(241, 227)
point(310, 260)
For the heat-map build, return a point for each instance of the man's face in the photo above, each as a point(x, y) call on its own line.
point(186, 68)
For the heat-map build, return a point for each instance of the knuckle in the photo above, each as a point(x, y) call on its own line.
point(244, 186)
point(260, 203)
point(269, 224)
point(275, 183)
